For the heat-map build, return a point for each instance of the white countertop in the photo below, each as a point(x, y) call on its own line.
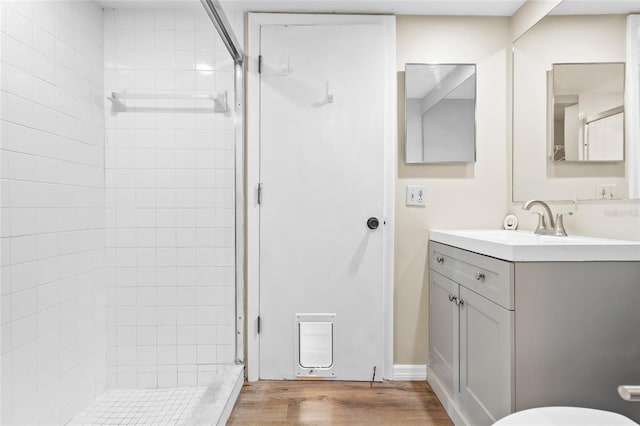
point(525, 246)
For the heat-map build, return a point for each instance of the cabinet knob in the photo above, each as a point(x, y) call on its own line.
point(440, 259)
point(479, 276)
point(459, 302)
point(452, 298)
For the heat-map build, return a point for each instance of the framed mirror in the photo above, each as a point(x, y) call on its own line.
point(586, 106)
point(440, 108)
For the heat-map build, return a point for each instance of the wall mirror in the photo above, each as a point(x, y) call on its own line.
point(586, 106)
point(440, 105)
point(570, 34)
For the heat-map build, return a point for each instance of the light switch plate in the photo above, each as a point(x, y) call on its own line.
point(416, 196)
point(607, 192)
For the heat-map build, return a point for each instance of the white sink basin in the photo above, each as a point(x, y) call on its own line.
point(525, 246)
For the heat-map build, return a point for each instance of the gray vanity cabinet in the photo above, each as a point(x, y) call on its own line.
point(486, 359)
point(509, 335)
point(443, 332)
point(471, 345)
point(577, 334)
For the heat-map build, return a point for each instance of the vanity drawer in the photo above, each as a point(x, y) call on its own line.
point(487, 276)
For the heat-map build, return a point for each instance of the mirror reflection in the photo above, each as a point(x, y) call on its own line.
point(564, 39)
point(440, 104)
point(588, 113)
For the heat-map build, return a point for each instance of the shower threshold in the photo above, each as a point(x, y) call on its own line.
point(183, 406)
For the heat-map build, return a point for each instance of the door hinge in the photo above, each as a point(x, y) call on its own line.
point(260, 193)
point(260, 64)
point(259, 324)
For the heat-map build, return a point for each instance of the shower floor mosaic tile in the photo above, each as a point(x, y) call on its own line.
point(169, 406)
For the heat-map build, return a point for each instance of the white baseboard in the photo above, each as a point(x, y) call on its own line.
point(409, 372)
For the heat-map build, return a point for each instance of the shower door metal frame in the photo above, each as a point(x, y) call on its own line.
point(220, 22)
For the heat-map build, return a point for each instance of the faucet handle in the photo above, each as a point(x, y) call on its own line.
point(558, 229)
point(542, 223)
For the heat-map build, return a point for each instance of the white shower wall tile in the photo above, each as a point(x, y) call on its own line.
point(170, 202)
point(52, 210)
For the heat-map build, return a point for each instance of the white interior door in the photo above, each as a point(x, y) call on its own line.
point(322, 173)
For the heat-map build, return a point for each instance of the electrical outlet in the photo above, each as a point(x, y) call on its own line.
point(607, 192)
point(415, 196)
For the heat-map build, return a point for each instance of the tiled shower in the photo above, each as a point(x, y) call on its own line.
point(117, 228)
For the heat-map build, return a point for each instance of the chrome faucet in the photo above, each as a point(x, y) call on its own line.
point(554, 227)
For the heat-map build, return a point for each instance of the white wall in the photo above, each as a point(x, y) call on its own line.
point(458, 196)
point(170, 202)
point(52, 216)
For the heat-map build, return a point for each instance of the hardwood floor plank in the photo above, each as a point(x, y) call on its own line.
point(325, 402)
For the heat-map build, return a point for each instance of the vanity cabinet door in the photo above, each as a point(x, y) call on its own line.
point(443, 331)
point(486, 358)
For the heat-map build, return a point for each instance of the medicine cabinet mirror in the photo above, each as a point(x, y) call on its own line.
point(440, 105)
point(586, 106)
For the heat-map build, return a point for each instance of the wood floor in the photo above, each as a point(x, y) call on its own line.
point(336, 403)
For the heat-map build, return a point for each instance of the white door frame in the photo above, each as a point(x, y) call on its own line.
point(255, 22)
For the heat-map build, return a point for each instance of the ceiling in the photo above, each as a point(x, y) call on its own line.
point(392, 7)
point(426, 77)
point(596, 7)
point(150, 4)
